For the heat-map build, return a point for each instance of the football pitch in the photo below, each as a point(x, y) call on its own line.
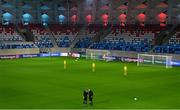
point(42, 83)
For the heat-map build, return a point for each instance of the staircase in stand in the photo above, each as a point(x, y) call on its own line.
point(101, 34)
point(26, 34)
point(163, 37)
point(77, 37)
point(51, 36)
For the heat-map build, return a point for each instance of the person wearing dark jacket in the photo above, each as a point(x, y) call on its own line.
point(85, 96)
point(90, 93)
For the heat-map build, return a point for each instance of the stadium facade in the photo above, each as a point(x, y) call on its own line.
point(124, 27)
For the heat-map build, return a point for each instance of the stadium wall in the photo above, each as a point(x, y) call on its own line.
point(66, 50)
point(31, 51)
point(115, 53)
point(18, 51)
point(129, 54)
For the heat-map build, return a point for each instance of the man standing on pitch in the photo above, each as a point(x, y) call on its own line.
point(85, 96)
point(90, 96)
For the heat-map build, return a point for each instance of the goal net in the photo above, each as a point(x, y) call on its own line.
point(97, 54)
point(148, 59)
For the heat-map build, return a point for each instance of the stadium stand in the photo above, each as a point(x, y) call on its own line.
point(173, 45)
point(43, 37)
point(128, 39)
point(17, 45)
point(84, 42)
point(8, 33)
point(10, 39)
point(64, 35)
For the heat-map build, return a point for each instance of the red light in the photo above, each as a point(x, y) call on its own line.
point(74, 19)
point(122, 18)
point(141, 17)
point(89, 19)
point(162, 17)
point(105, 18)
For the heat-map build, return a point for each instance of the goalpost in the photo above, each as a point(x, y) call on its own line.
point(97, 54)
point(148, 59)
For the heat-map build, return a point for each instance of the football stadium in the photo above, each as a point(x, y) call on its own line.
point(90, 54)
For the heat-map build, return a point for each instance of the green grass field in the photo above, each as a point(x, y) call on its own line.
point(42, 83)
